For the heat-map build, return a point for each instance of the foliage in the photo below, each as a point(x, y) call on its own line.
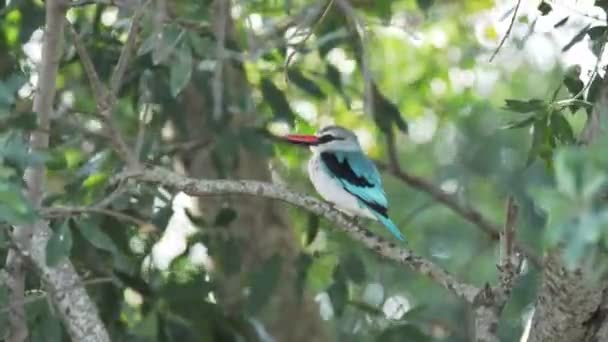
point(479, 131)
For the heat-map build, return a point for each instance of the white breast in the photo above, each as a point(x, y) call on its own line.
point(330, 189)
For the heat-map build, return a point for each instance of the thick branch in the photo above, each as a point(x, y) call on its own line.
point(378, 245)
point(77, 311)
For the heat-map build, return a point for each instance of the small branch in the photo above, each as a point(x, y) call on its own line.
point(468, 213)
point(310, 32)
point(381, 247)
point(105, 101)
point(127, 51)
point(41, 294)
point(222, 11)
point(504, 38)
point(360, 55)
point(69, 211)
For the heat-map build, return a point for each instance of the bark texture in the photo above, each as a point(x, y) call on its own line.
point(77, 311)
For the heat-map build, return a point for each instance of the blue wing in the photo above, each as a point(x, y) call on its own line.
point(359, 176)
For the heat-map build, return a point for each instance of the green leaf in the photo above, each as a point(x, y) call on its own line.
point(524, 106)
point(59, 245)
point(424, 4)
point(225, 216)
point(335, 78)
point(539, 136)
point(596, 32)
point(353, 267)
point(312, 228)
point(520, 123)
point(303, 263)
point(562, 22)
point(262, 283)
point(255, 142)
point(99, 239)
point(338, 293)
point(164, 45)
point(277, 101)
point(544, 8)
point(386, 112)
point(305, 83)
point(562, 129)
point(181, 69)
point(14, 207)
point(402, 333)
point(577, 38)
point(147, 327)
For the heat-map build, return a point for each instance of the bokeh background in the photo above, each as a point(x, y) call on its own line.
point(232, 268)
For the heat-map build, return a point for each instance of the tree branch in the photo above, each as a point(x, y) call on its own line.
point(492, 301)
point(504, 38)
point(127, 51)
point(104, 98)
point(468, 213)
point(77, 311)
point(383, 248)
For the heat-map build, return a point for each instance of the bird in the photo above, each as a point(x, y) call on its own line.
point(343, 175)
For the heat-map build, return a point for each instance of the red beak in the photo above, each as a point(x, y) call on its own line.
point(302, 139)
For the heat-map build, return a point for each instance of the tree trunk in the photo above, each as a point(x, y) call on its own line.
point(261, 225)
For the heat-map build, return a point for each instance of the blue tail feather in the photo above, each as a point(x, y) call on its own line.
point(391, 227)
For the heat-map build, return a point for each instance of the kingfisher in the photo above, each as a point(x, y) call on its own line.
point(343, 175)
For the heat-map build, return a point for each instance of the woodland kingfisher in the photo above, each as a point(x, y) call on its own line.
point(343, 175)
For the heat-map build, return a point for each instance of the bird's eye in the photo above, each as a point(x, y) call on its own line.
point(327, 138)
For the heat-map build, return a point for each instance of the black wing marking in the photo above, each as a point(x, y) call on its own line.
point(343, 170)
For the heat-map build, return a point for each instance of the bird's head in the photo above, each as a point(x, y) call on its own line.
point(329, 138)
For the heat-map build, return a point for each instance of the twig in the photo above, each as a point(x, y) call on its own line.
point(218, 75)
point(470, 214)
point(127, 51)
point(310, 32)
point(504, 38)
point(105, 102)
point(67, 211)
point(42, 294)
point(378, 245)
point(354, 23)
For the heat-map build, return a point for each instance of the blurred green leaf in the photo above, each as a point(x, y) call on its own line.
point(263, 281)
point(520, 123)
point(539, 137)
point(386, 112)
point(544, 8)
point(524, 106)
point(225, 216)
point(402, 333)
point(148, 326)
point(277, 101)
point(562, 129)
point(577, 38)
point(338, 293)
point(354, 267)
point(306, 84)
point(99, 239)
point(181, 69)
point(164, 46)
point(59, 245)
point(312, 228)
point(14, 207)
